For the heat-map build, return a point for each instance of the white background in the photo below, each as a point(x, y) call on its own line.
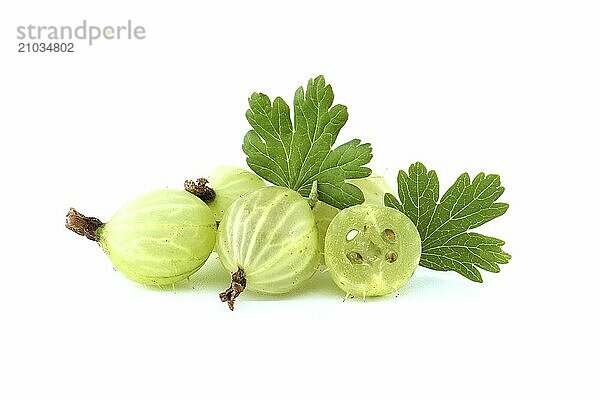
point(507, 87)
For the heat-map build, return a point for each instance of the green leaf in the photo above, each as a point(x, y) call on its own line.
point(296, 156)
point(444, 225)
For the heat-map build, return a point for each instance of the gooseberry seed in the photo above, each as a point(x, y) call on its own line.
point(354, 257)
point(389, 235)
point(391, 256)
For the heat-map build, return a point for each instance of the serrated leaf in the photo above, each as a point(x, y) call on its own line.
point(444, 225)
point(296, 156)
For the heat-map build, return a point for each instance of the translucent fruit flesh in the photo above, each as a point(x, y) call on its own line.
point(371, 250)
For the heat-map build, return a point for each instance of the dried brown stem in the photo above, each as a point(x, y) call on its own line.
point(82, 225)
point(199, 189)
point(238, 284)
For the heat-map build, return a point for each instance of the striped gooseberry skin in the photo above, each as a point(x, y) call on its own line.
point(270, 234)
point(159, 238)
point(229, 184)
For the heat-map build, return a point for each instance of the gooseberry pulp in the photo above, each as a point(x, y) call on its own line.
point(157, 239)
point(268, 241)
point(225, 185)
point(371, 250)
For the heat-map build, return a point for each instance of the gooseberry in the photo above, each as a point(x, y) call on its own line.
point(371, 250)
point(268, 241)
point(157, 239)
